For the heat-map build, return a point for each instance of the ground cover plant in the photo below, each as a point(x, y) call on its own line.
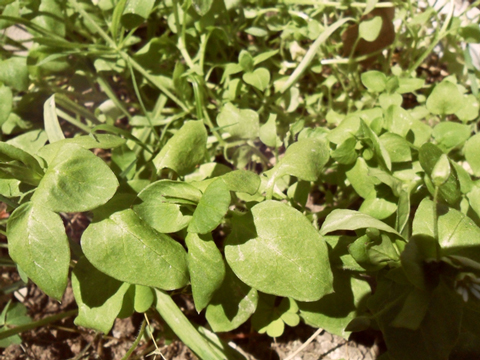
point(280, 162)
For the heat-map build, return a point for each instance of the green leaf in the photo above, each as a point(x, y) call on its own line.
point(206, 268)
point(335, 311)
point(472, 153)
point(429, 155)
point(136, 12)
point(6, 104)
point(374, 81)
point(242, 181)
point(450, 135)
point(30, 141)
point(360, 179)
point(52, 126)
point(377, 206)
point(51, 17)
point(470, 33)
point(75, 180)
point(304, 159)
point(14, 73)
point(161, 206)
point(239, 123)
point(13, 314)
point(127, 249)
point(268, 132)
point(38, 243)
point(398, 120)
point(245, 60)
point(469, 110)
point(345, 153)
point(445, 99)
point(202, 6)
point(184, 150)
point(441, 171)
point(409, 85)
point(380, 151)
point(10, 153)
point(232, 304)
point(211, 209)
point(397, 147)
point(144, 298)
point(343, 219)
point(260, 78)
point(370, 29)
point(276, 250)
point(99, 297)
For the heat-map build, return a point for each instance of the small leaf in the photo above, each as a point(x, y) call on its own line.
point(445, 99)
point(144, 298)
point(370, 29)
point(14, 73)
point(242, 181)
point(38, 243)
point(397, 147)
point(260, 78)
point(345, 153)
point(268, 132)
point(206, 268)
point(136, 12)
point(75, 180)
point(343, 219)
point(211, 209)
point(276, 250)
point(472, 153)
point(232, 305)
point(441, 171)
point(359, 177)
point(374, 81)
point(125, 248)
point(450, 135)
point(239, 123)
point(6, 104)
point(52, 126)
point(184, 150)
point(99, 297)
point(245, 60)
point(202, 6)
point(469, 110)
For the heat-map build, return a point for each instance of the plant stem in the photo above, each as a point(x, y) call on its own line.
point(33, 325)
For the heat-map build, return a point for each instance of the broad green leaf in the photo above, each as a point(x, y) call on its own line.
point(334, 311)
point(206, 268)
point(162, 202)
point(386, 100)
point(202, 6)
point(242, 181)
point(52, 126)
point(51, 17)
point(397, 147)
point(413, 311)
point(13, 314)
point(136, 12)
point(6, 104)
point(239, 123)
point(429, 155)
point(304, 159)
point(259, 78)
point(398, 120)
point(184, 150)
point(377, 207)
point(380, 151)
point(10, 153)
point(421, 133)
point(469, 110)
point(343, 219)
point(31, 141)
point(450, 135)
point(245, 60)
point(75, 180)
point(409, 85)
point(374, 80)
point(472, 153)
point(457, 233)
point(370, 29)
point(441, 171)
point(360, 179)
point(276, 250)
point(127, 249)
point(470, 33)
point(445, 99)
point(144, 298)
point(211, 209)
point(232, 304)
point(345, 153)
point(38, 243)
point(14, 73)
point(346, 129)
point(99, 297)
point(268, 132)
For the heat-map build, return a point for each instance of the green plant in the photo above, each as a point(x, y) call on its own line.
point(215, 156)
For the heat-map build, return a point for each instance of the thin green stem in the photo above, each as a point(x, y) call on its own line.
point(435, 214)
point(73, 121)
point(181, 28)
point(337, 4)
point(136, 342)
point(36, 324)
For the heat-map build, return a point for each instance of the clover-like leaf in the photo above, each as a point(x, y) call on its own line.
point(445, 99)
point(260, 78)
point(239, 123)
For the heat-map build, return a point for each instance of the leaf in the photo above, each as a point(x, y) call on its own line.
point(14, 73)
point(13, 314)
point(6, 104)
point(397, 147)
point(260, 78)
point(276, 250)
point(30, 141)
point(206, 268)
point(345, 153)
point(445, 99)
point(184, 150)
point(334, 311)
point(211, 209)
point(75, 180)
point(50, 17)
point(380, 151)
point(370, 29)
point(429, 155)
point(125, 248)
point(38, 243)
point(360, 179)
point(99, 297)
point(374, 81)
point(239, 123)
point(242, 181)
point(343, 219)
point(232, 304)
point(52, 126)
point(268, 132)
point(161, 206)
point(9, 153)
point(304, 159)
point(377, 206)
point(398, 120)
point(136, 12)
point(450, 135)
point(202, 6)
point(409, 85)
point(469, 110)
point(245, 60)
point(472, 153)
